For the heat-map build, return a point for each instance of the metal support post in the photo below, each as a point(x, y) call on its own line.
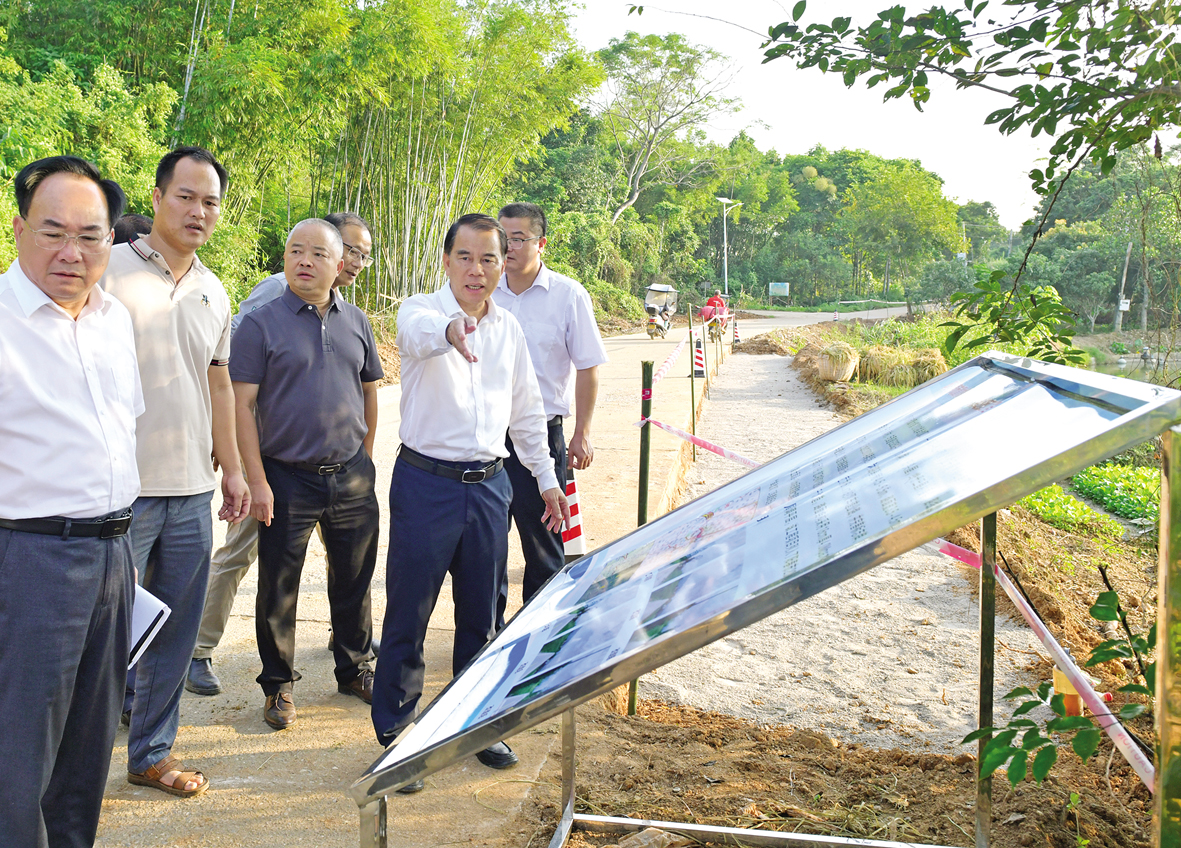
point(692, 391)
point(373, 824)
point(987, 656)
point(567, 820)
point(1168, 646)
point(645, 442)
point(645, 459)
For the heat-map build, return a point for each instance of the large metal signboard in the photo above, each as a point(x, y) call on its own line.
point(957, 448)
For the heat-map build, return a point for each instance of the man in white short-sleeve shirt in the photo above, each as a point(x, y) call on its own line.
point(558, 318)
point(181, 316)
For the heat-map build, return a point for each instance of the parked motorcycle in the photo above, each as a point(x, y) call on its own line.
point(660, 302)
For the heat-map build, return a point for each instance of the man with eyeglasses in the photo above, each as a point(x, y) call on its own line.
point(181, 316)
point(233, 559)
point(70, 394)
point(558, 318)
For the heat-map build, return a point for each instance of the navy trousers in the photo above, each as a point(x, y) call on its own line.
point(437, 526)
point(345, 506)
point(65, 632)
point(545, 554)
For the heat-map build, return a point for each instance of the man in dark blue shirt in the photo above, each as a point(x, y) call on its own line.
point(306, 364)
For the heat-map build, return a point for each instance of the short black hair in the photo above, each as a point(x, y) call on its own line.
point(479, 222)
point(345, 219)
point(35, 173)
point(130, 226)
point(167, 166)
point(532, 211)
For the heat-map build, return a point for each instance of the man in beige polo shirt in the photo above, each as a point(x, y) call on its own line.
point(181, 317)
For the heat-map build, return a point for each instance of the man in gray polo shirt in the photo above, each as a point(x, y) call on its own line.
point(305, 371)
point(233, 559)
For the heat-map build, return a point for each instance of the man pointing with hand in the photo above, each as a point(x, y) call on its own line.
point(466, 380)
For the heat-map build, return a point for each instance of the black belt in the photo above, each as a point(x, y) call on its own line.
point(450, 470)
point(322, 470)
point(106, 527)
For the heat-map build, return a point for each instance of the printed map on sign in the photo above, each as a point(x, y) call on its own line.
point(990, 426)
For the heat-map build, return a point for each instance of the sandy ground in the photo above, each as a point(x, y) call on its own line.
point(887, 659)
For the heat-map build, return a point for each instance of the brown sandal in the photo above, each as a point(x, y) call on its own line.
point(153, 777)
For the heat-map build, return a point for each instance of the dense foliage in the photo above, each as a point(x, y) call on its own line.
point(413, 111)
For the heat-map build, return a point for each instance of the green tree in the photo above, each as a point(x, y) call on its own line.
point(982, 230)
point(940, 280)
point(117, 129)
point(660, 91)
point(901, 220)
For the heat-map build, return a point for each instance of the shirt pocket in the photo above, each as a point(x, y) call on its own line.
point(546, 344)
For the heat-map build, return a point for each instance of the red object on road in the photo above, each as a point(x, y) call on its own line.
point(720, 315)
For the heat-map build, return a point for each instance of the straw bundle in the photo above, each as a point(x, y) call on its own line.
point(837, 362)
point(902, 376)
point(879, 359)
point(929, 364)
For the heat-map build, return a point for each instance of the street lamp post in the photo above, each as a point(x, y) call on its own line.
point(727, 205)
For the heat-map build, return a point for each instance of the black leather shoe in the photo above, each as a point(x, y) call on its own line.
point(411, 788)
point(201, 680)
point(361, 686)
point(125, 718)
point(498, 756)
point(279, 711)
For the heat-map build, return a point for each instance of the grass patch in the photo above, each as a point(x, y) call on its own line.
point(1055, 507)
point(1127, 491)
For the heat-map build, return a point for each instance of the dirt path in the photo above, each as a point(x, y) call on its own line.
point(888, 659)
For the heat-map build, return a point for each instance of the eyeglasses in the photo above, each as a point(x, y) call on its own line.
point(357, 255)
point(518, 243)
point(56, 240)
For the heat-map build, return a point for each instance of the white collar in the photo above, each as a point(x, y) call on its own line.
point(542, 279)
point(31, 298)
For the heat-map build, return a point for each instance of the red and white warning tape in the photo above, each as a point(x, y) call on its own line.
point(662, 372)
point(700, 442)
point(572, 538)
point(1078, 679)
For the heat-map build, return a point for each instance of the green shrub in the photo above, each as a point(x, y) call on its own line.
point(1129, 492)
point(1055, 507)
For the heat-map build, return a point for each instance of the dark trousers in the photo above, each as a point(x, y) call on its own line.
point(345, 506)
point(544, 551)
point(437, 526)
point(65, 631)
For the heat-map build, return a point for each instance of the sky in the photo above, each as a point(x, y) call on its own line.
point(792, 111)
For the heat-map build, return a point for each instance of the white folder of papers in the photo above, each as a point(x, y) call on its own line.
point(148, 614)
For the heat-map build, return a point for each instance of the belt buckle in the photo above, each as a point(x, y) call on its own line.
point(479, 475)
point(113, 528)
point(325, 470)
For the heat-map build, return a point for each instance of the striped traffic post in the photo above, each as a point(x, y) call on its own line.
point(572, 539)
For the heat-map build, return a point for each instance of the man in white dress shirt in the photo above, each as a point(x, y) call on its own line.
point(466, 380)
point(558, 318)
point(70, 394)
